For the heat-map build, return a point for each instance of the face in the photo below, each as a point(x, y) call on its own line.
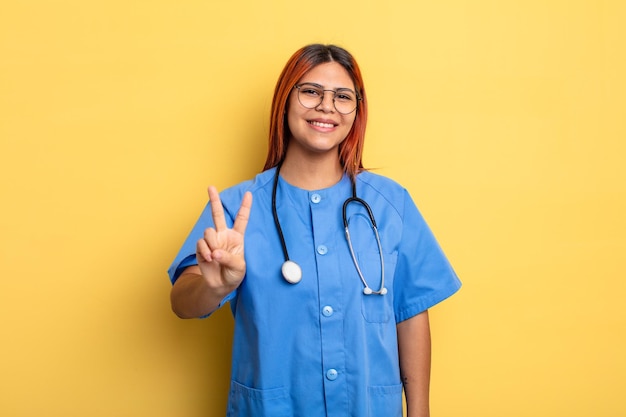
point(320, 129)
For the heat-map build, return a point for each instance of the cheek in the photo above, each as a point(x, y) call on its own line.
point(349, 121)
point(291, 119)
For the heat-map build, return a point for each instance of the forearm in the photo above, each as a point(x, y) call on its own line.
point(192, 297)
point(414, 350)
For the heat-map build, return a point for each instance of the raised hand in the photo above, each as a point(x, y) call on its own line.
point(220, 253)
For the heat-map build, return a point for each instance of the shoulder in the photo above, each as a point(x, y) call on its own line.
point(377, 180)
point(384, 187)
point(261, 183)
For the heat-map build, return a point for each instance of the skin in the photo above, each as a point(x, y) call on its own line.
point(414, 351)
point(311, 162)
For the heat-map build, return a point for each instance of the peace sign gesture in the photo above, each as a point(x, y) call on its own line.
point(220, 253)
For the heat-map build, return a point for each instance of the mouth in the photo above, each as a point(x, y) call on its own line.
point(325, 125)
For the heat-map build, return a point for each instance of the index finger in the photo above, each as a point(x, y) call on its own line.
point(217, 209)
point(241, 221)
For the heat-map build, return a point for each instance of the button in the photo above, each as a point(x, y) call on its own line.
point(332, 374)
point(316, 198)
point(327, 311)
point(322, 250)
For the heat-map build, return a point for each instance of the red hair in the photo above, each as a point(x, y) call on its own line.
point(305, 59)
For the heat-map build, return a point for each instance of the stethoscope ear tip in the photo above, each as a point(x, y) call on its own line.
point(369, 291)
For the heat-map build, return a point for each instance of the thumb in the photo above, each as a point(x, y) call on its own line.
point(228, 260)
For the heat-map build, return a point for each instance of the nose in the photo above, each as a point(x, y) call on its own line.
point(328, 102)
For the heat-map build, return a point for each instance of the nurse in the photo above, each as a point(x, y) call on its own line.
point(342, 328)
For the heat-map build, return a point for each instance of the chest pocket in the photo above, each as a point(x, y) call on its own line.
point(245, 401)
point(377, 308)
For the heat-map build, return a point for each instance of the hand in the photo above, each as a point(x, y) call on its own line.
point(220, 253)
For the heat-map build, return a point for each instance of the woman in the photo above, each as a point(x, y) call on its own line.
point(326, 323)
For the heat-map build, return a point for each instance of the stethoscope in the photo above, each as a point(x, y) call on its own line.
point(291, 271)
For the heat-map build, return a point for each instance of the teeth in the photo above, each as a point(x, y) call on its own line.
point(320, 124)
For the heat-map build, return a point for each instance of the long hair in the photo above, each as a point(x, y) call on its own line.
point(302, 61)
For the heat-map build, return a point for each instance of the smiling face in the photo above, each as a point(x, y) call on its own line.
point(321, 129)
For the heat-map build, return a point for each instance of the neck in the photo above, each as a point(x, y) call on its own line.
point(312, 173)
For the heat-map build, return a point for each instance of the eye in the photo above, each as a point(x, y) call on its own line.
point(310, 91)
point(344, 95)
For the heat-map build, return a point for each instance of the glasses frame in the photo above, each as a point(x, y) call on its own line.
point(324, 90)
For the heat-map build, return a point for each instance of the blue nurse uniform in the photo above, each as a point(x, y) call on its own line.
point(321, 347)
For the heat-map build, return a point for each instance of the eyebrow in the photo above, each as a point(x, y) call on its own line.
point(328, 89)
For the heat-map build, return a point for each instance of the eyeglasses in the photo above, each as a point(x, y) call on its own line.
point(312, 95)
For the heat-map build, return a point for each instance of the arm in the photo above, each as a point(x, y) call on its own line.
point(414, 352)
point(192, 296)
point(221, 264)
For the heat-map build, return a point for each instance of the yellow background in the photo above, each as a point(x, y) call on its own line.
point(504, 119)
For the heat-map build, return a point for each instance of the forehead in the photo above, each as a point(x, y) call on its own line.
point(329, 75)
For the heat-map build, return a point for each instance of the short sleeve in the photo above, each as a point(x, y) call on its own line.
point(423, 275)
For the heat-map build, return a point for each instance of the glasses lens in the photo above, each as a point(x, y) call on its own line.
point(311, 96)
point(345, 101)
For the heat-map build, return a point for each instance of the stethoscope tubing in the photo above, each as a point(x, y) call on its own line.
point(279, 229)
point(367, 290)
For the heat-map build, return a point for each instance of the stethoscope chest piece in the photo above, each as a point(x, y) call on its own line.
point(291, 272)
